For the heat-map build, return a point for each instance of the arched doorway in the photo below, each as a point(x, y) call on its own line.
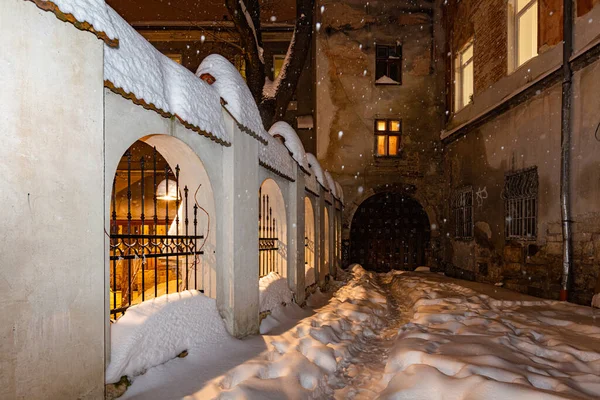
point(272, 230)
point(309, 242)
point(389, 231)
point(161, 211)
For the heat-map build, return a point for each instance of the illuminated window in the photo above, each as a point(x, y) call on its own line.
point(463, 80)
point(523, 32)
point(387, 137)
point(278, 60)
point(388, 65)
point(175, 57)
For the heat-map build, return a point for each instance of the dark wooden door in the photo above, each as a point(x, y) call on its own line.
point(389, 231)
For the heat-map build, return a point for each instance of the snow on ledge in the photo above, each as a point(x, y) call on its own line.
point(90, 15)
point(316, 169)
point(233, 89)
point(137, 69)
point(276, 157)
point(156, 331)
point(273, 292)
point(292, 142)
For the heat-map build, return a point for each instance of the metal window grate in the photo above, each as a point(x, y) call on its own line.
point(520, 204)
point(462, 212)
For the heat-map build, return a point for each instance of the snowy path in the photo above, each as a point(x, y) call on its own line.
point(399, 336)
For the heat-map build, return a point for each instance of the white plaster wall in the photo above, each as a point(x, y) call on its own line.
point(309, 232)
point(51, 205)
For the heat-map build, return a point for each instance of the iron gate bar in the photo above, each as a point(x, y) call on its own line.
point(127, 245)
point(267, 242)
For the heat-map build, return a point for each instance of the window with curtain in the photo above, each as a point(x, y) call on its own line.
point(464, 77)
point(387, 137)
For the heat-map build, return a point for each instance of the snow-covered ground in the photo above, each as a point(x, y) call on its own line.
point(396, 336)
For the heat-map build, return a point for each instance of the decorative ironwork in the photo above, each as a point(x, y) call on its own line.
point(267, 239)
point(462, 212)
point(142, 250)
point(520, 204)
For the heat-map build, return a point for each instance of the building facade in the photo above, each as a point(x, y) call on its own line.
point(502, 146)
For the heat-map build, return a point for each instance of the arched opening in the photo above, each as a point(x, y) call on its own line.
point(272, 230)
point(326, 245)
point(389, 231)
point(162, 218)
point(309, 243)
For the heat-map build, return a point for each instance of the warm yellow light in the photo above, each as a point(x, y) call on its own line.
point(167, 194)
point(395, 126)
point(381, 146)
point(381, 126)
point(393, 145)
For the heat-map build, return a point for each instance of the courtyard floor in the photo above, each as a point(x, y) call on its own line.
point(402, 335)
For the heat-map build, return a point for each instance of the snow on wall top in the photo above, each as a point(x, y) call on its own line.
point(292, 142)
point(137, 68)
point(310, 182)
point(331, 184)
point(276, 157)
point(316, 169)
point(92, 12)
point(233, 89)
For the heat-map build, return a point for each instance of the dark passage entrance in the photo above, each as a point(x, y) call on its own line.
point(389, 231)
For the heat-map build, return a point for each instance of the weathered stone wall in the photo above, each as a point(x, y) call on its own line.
point(348, 100)
point(526, 135)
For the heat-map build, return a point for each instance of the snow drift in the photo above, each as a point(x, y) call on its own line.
point(273, 292)
point(155, 331)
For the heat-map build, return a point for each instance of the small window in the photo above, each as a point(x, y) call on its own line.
point(464, 74)
point(520, 204)
point(387, 137)
point(523, 31)
point(462, 213)
point(177, 57)
point(278, 60)
point(388, 65)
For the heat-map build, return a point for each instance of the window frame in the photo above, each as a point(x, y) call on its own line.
point(397, 61)
point(513, 33)
point(387, 133)
point(275, 58)
point(462, 209)
point(524, 203)
point(459, 67)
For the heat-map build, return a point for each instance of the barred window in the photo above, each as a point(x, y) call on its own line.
point(462, 212)
point(520, 204)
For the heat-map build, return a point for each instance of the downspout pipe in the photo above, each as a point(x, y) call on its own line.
point(565, 156)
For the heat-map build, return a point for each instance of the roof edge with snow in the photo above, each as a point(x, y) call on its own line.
point(102, 33)
point(130, 96)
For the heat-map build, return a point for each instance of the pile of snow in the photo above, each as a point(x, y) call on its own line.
point(304, 361)
point(386, 80)
point(316, 170)
point(156, 331)
point(463, 344)
point(233, 89)
point(292, 142)
point(309, 277)
point(596, 300)
point(138, 68)
point(276, 156)
point(94, 12)
point(273, 292)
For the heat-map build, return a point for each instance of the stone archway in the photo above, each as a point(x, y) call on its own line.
point(389, 231)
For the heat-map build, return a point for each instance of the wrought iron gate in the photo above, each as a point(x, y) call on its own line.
point(267, 237)
point(389, 231)
point(150, 256)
